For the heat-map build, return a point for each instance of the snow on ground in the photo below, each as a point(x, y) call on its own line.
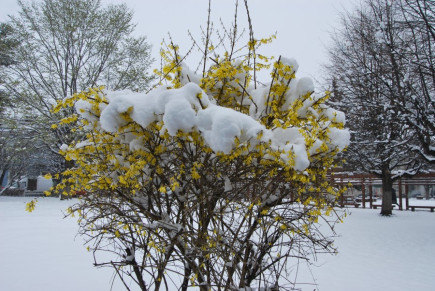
point(39, 251)
point(381, 253)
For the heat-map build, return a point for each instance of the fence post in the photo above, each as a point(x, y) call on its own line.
point(342, 195)
point(363, 192)
point(371, 197)
point(400, 194)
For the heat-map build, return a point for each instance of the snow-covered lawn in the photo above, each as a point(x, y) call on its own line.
point(40, 251)
point(381, 253)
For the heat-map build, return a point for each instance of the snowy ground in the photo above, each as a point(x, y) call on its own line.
point(381, 253)
point(39, 251)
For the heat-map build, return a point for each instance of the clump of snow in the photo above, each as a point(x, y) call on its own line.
point(333, 114)
point(300, 157)
point(291, 62)
point(147, 108)
point(259, 97)
point(84, 109)
point(305, 85)
point(282, 135)
point(179, 115)
point(63, 147)
point(188, 76)
point(340, 138)
point(221, 125)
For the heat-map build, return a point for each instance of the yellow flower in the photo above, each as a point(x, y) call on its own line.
point(31, 206)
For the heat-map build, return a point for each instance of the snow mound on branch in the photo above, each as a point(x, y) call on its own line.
point(340, 138)
point(291, 62)
point(189, 109)
point(179, 115)
point(221, 125)
point(147, 108)
point(333, 114)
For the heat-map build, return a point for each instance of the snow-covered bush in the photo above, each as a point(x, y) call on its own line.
point(208, 180)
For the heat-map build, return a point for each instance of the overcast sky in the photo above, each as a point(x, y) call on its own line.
point(302, 26)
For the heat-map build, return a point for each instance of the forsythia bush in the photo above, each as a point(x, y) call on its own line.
point(209, 180)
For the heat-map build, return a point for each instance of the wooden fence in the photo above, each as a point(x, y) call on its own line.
point(366, 182)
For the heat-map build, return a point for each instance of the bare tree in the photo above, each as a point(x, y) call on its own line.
point(7, 47)
point(16, 146)
point(369, 70)
point(416, 28)
point(66, 47)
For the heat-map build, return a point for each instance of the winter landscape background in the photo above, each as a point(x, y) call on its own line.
point(40, 251)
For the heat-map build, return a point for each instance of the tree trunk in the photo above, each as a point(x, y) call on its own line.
point(387, 190)
point(426, 191)
point(2, 176)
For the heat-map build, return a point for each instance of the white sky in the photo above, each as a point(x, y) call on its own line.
point(303, 26)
